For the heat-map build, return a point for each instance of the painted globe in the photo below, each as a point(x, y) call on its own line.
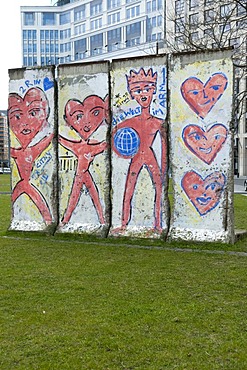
point(126, 142)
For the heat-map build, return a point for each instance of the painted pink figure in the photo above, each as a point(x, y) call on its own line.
point(27, 117)
point(85, 118)
point(142, 87)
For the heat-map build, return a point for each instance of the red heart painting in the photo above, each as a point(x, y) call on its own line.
point(204, 194)
point(205, 144)
point(85, 117)
point(202, 97)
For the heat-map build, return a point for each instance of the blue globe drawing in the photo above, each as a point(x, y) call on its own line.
point(126, 141)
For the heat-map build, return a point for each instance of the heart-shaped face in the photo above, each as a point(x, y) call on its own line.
point(202, 97)
point(85, 117)
point(27, 115)
point(204, 194)
point(205, 144)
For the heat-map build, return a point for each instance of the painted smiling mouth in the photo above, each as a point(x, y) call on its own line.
point(86, 128)
point(206, 150)
point(143, 98)
point(206, 102)
point(26, 131)
point(203, 201)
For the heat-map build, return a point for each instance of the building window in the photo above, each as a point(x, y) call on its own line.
point(29, 34)
point(80, 29)
point(193, 4)
point(113, 18)
point(49, 34)
point(29, 19)
point(80, 48)
point(96, 24)
point(65, 34)
point(113, 39)
point(154, 37)
point(241, 9)
point(194, 36)
point(193, 20)
point(95, 7)
point(154, 5)
point(96, 44)
point(225, 27)
point(133, 34)
point(209, 32)
point(65, 48)
point(179, 6)
point(235, 42)
point(48, 19)
point(242, 24)
point(111, 4)
point(209, 16)
point(179, 40)
point(64, 18)
point(225, 11)
point(133, 12)
point(80, 13)
point(179, 25)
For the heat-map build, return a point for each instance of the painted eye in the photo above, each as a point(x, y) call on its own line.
point(212, 186)
point(197, 137)
point(194, 92)
point(33, 113)
point(79, 116)
point(96, 112)
point(195, 187)
point(215, 87)
point(137, 92)
point(18, 116)
point(217, 137)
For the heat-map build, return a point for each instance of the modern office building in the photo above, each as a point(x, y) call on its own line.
point(4, 140)
point(86, 30)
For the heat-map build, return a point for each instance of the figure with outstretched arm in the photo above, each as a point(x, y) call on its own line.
point(145, 127)
point(27, 117)
point(85, 118)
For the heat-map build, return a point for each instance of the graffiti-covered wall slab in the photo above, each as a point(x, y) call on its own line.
point(200, 146)
point(33, 152)
point(139, 147)
point(84, 167)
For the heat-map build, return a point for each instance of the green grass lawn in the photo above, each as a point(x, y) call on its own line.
point(74, 304)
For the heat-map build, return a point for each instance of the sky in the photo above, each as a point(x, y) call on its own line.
point(10, 36)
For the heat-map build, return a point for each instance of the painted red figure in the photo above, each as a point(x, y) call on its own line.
point(142, 87)
point(85, 118)
point(27, 117)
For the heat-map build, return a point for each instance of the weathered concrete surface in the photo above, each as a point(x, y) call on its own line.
point(31, 116)
point(84, 160)
point(139, 147)
point(201, 155)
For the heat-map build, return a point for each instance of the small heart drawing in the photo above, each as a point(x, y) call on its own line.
point(205, 144)
point(29, 159)
point(48, 84)
point(87, 156)
point(204, 194)
point(202, 97)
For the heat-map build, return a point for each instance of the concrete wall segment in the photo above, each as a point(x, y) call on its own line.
point(32, 121)
point(84, 159)
point(201, 147)
point(139, 147)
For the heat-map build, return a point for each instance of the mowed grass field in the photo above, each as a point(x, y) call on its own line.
point(69, 303)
